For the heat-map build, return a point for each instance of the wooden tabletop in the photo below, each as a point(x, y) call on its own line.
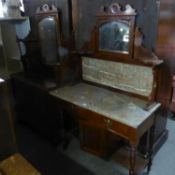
point(122, 108)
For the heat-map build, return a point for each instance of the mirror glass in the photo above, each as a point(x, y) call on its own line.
point(48, 39)
point(114, 36)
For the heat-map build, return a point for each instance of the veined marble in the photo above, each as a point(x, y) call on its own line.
point(130, 78)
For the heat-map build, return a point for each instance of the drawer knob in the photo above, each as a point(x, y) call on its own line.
point(108, 122)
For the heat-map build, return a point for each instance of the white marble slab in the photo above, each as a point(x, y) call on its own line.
point(126, 77)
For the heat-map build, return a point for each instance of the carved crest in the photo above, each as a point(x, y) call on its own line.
point(45, 8)
point(115, 8)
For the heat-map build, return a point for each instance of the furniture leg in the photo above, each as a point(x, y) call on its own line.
point(150, 151)
point(132, 160)
point(66, 136)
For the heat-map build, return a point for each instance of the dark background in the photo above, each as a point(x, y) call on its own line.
point(147, 14)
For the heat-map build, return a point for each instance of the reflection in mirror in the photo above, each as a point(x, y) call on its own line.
point(114, 37)
point(48, 40)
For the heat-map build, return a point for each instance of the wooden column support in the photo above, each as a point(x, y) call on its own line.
point(150, 151)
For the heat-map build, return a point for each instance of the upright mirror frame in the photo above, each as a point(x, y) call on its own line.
point(114, 14)
point(43, 12)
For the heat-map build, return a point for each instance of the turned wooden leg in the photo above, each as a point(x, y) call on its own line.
point(150, 151)
point(132, 160)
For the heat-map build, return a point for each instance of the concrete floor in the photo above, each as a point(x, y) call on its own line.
point(163, 163)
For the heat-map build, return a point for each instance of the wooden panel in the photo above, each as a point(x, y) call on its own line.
point(17, 165)
point(166, 47)
point(97, 140)
point(97, 121)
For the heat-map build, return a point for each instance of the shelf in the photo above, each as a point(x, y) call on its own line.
point(122, 157)
point(13, 19)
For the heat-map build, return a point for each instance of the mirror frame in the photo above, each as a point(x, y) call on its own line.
point(46, 11)
point(114, 36)
point(110, 14)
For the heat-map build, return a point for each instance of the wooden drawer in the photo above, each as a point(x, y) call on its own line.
point(115, 127)
point(94, 133)
point(91, 118)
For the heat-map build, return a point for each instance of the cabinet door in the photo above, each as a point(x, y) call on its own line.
point(97, 140)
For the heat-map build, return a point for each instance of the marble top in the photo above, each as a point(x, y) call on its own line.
point(122, 108)
point(136, 79)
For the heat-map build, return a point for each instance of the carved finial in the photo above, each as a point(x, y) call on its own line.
point(114, 8)
point(46, 8)
point(129, 9)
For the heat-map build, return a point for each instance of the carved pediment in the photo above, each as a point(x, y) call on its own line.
point(115, 8)
point(45, 8)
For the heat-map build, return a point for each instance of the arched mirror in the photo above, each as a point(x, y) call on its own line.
point(114, 37)
point(49, 32)
point(47, 28)
point(114, 32)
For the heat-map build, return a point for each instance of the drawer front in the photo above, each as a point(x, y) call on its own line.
point(89, 117)
point(118, 128)
point(94, 119)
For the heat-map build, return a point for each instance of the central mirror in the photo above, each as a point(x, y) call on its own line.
point(49, 33)
point(48, 39)
point(114, 36)
point(114, 32)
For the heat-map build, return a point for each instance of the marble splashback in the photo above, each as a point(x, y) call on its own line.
point(135, 79)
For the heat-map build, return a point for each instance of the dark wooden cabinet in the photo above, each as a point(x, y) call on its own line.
point(7, 135)
point(37, 109)
point(94, 137)
point(98, 141)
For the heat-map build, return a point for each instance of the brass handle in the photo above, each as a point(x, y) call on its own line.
point(108, 122)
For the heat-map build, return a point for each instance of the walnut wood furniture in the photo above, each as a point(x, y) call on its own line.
point(47, 52)
point(111, 111)
point(118, 85)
